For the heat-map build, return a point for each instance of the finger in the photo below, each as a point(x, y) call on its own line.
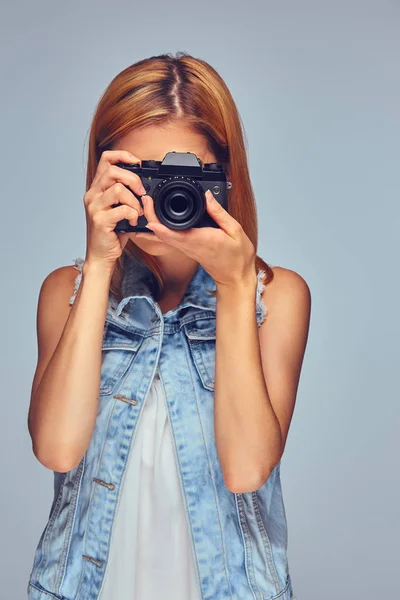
point(221, 216)
point(115, 194)
point(184, 239)
point(114, 174)
point(148, 207)
point(111, 157)
point(111, 217)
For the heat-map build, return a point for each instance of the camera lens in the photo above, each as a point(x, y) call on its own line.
point(179, 203)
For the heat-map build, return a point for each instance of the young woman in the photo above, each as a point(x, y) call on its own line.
point(166, 382)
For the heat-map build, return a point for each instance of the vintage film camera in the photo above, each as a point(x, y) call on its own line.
point(178, 185)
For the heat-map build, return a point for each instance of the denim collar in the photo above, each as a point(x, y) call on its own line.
point(139, 281)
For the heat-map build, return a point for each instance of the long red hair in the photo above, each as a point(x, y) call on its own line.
point(164, 89)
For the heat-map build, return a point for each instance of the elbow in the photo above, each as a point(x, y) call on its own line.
point(245, 485)
point(251, 483)
point(62, 456)
point(56, 461)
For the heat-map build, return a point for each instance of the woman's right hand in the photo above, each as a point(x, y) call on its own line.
point(104, 245)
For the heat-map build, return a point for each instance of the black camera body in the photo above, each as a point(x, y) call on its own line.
point(178, 185)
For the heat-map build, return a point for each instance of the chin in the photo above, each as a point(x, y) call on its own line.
point(155, 248)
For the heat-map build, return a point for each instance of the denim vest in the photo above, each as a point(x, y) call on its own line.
point(239, 540)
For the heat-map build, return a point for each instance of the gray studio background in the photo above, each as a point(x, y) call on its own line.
point(317, 85)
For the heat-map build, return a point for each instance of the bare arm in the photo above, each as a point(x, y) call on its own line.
point(257, 375)
point(65, 388)
point(64, 399)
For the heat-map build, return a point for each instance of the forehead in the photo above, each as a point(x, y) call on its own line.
point(153, 142)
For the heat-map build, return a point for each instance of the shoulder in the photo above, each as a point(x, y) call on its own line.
point(62, 277)
point(53, 310)
point(62, 283)
point(286, 288)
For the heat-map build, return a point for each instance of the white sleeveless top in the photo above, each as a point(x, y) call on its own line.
point(150, 552)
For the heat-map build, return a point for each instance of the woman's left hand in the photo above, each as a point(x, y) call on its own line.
point(226, 253)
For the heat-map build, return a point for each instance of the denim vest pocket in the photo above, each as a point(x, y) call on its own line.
point(119, 350)
point(201, 336)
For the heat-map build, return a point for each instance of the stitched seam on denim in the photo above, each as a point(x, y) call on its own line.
point(121, 346)
point(266, 541)
point(246, 562)
point(127, 326)
point(185, 345)
point(45, 553)
point(205, 378)
point(44, 591)
point(247, 540)
point(195, 349)
point(58, 499)
point(119, 490)
point(114, 380)
point(183, 493)
point(90, 503)
point(196, 318)
point(202, 316)
point(278, 476)
point(67, 530)
point(285, 589)
point(67, 546)
point(200, 338)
